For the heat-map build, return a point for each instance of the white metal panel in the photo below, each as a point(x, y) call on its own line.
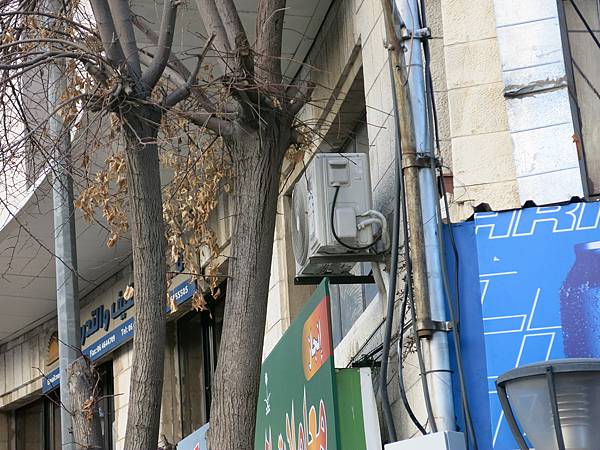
point(447, 440)
point(372, 431)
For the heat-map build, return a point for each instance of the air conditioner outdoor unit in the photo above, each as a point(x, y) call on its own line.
point(331, 245)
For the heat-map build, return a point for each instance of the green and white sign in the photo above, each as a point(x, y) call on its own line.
point(357, 410)
point(297, 405)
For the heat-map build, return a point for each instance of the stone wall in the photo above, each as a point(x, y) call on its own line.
point(23, 363)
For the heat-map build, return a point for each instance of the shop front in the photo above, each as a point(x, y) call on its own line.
point(30, 408)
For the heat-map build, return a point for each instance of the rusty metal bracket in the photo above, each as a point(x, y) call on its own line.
point(421, 33)
point(425, 328)
point(416, 160)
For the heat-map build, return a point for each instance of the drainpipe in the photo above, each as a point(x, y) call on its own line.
point(432, 325)
point(67, 291)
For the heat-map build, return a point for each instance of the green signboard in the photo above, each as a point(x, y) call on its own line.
point(296, 404)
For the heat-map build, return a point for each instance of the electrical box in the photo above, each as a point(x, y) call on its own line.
point(447, 440)
point(316, 249)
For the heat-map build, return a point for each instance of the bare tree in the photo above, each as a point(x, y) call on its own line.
point(247, 106)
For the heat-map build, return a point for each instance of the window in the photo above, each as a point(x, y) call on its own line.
point(38, 424)
point(30, 426)
point(348, 302)
point(106, 407)
point(199, 336)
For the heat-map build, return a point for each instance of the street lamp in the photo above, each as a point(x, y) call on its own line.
point(555, 405)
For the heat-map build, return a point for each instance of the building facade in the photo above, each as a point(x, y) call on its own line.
point(516, 87)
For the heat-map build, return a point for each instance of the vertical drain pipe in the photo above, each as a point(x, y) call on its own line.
point(405, 35)
point(435, 346)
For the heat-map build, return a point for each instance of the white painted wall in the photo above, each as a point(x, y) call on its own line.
point(538, 105)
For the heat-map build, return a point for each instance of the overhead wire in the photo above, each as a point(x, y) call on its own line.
point(391, 292)
point(403, 395)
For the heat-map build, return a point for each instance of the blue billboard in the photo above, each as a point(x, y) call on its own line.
point(539, 295)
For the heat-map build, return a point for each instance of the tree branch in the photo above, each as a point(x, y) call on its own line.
point(213, 24)
point(165, 43)
point(299, 97)
point(231, 22)
point(208, 120)
point(269, 31)
point(171, 74)
point(121, 15)
point(59, 17)
point(184, 91)
point(107, 31)
point(153, 38)
point(33, 62)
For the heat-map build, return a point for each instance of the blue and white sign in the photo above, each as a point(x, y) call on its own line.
point(539, 294)
point(97, 350)
point(182, 293)
point(112, 325)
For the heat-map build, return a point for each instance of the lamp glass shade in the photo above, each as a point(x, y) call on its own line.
point(578, 401)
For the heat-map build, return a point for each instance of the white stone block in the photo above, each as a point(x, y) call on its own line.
point(511, 12)
point(468, 20)
point(122, 383)
point(539, 111)
point(530, 44)
point(546, 75)
point(472, 63)
point(477, 110)
point(564, 184)
point(545, 150)
point(483, 158)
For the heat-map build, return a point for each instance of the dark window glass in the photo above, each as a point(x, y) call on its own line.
point(38, 423)
point(30, 426)
point(106, 406)
point(348, 302)
point(198, 339)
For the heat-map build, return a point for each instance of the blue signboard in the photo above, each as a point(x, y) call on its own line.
point(539, 289)
point(195, 441)
point(182, 293)
point(100, 320)
point(97, 350)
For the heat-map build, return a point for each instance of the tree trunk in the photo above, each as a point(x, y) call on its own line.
point(235, 391)
point(149, 273)
point(82, 383)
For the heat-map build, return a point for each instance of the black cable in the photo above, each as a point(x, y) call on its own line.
point(403, 396)
point(362, 347)
point(332, 219)
point(445, 277)
point(422, 368)
point(391, 296)
point(454, 252)
point(407, 258)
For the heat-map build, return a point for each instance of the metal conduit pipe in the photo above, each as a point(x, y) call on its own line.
point(431, 329)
